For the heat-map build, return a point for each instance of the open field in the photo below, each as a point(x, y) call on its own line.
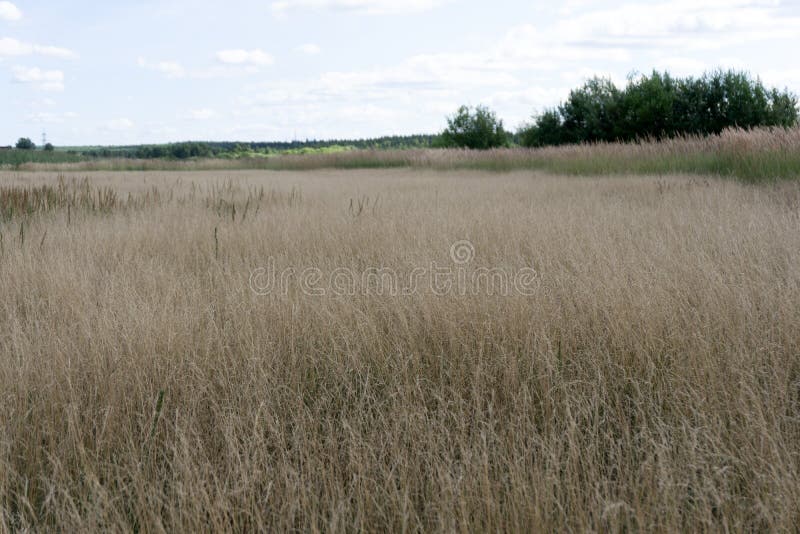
point(756, 155)
point(644, 374)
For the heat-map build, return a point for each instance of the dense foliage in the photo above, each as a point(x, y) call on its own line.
point(660, 106)
point(16, 158)
point(189, 150)
point(24, 143)
point(655, 106)
point(478, 129)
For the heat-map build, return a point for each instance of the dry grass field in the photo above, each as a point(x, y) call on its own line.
point(758, 155)
point(647, 378)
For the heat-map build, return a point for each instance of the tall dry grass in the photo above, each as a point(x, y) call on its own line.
point(651, 382)
point(757, 155)
point(26, 200)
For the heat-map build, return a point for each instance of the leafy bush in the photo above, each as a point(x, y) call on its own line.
point(478, 129)
point(660, 106)
point(24, 143)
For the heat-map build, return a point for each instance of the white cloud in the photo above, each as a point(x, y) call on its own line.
point(216, 72)
point(570, 7)
point(255, 57)
point(234, 63)
point(170, 69)
point(682, 66)
point(309, 49)
point(199, 114)
point(43, 102)
point(518, 72)
point(371, 7)
point(502, 72)
point(679, 24)
point(162, 132)
point(46, 80)
point(527, 46)
point(526, 70)
point(411, 96)
point(45, 117)
point(13, 47)
point(320, 121)
point(786, 78)
point(9, 11)
point(532, 98)
point(119, 125)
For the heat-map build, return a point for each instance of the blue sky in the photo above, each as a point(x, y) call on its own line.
point(128, 72)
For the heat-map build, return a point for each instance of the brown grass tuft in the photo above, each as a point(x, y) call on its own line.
point(651, 382)
point(756, 155)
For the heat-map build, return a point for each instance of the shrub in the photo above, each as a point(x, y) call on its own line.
point(546, 130)
point(659, 106)
point(478, 129)
point(24, 143)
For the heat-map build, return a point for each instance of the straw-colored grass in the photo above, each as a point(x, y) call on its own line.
point(26, 200)
point(759, 155)
point(651, 381)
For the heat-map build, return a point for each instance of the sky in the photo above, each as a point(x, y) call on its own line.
point(129, 72)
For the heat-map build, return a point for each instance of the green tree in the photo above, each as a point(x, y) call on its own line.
point(782, 109)
point(647, 108)
point(24, 143)
point(658, 106)
point(49, 147)
point(747, 100)
point(690, 111)
point(591, 112)
point(478, 129)
point(545, 130)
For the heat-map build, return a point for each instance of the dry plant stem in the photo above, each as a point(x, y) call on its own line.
point(758, 155)
point(652, 382)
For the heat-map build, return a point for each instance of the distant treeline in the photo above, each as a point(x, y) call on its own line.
point(650, 107)
point(660, 106)
point(14, 158)
point(210, 149)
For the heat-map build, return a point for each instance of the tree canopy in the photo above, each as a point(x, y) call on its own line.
point(659, 106)
point(24, 143)
point(478, 129)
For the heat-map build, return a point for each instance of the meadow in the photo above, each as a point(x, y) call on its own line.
point(645, 377)
point(755, 155)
